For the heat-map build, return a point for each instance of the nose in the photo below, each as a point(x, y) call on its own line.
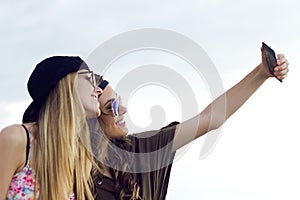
point(98, 90)
point(122, 109)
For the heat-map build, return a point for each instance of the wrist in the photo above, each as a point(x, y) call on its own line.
point(262, 71)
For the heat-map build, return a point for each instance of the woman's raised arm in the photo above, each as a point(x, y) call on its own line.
point(216, 113)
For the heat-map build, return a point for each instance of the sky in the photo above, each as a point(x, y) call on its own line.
point(256, 156)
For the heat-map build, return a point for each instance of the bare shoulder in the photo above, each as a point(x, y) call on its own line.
point(14, 134)
point(13, 138)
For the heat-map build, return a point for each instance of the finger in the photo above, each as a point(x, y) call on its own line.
point(280, 56)
point(282, 77)
point(280, 59)
point(263, 55)
point(282, 66)
point(281, 72)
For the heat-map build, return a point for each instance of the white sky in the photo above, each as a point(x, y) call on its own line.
point(257, 156)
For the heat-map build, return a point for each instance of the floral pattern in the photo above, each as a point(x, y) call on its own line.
point(22, 185)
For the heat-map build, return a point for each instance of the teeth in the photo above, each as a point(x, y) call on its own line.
point(121, 121)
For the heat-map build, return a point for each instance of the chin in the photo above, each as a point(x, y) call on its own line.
point(98, 113)
point(92, 112)
point(117, 133)
point(124, 130)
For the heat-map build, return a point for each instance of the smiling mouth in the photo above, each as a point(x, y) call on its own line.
point(95, 97)
point(121, 122)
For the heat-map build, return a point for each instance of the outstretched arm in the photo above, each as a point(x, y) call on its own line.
point(216, 113)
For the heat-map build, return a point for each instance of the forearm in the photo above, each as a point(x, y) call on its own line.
point(228, 103)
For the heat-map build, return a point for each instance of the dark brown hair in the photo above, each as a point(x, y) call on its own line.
point(125, 184)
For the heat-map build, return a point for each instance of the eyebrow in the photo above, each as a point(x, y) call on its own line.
point(112, 99)
point(109, 101)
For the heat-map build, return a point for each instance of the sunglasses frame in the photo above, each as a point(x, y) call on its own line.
point(92, 78)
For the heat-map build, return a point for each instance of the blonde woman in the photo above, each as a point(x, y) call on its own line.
point(48, 157)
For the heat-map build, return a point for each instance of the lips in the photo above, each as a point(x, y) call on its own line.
point(121, 122)
point(95, 96)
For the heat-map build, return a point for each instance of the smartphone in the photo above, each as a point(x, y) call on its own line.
point(271, 58)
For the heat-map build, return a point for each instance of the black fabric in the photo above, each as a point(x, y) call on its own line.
point(27, 144)
point(154, 183)
point(156, 167)
point(45, 77)
point(103, 84)
point(104, 187)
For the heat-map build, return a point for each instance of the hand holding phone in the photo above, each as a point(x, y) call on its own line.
point(271, 58)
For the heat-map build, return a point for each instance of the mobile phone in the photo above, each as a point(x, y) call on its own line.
point(270, 57)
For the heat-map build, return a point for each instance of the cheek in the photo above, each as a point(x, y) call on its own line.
point(85, 95)
point(82, 91)
point(106, 123)
point(102, 103)
point(84, 100)
point(84, 87)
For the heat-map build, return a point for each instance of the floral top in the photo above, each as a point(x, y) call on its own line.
point(22, 185)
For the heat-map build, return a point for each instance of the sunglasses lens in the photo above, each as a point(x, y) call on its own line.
point(98, 79)
point(115, 108)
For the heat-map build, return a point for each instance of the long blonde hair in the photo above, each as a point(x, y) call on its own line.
point(62, 158)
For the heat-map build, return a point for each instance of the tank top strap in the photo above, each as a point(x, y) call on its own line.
point(27, 144)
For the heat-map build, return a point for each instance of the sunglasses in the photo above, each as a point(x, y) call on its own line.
point(95, 79)
point(98, 79)
point(115, 106)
